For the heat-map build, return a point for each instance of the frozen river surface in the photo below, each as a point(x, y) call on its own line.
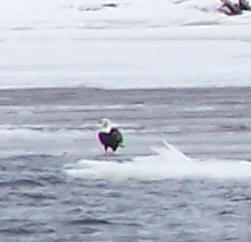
point(58, 185)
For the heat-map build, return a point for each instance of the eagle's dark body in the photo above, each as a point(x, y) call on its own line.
point(113, 139)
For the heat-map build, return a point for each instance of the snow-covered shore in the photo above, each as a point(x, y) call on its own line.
point(137, 44)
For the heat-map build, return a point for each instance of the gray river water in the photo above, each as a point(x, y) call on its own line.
point(45, 130)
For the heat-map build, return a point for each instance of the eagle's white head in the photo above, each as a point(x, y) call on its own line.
point(105, 125)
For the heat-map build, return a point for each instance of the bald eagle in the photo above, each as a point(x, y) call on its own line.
point(110, 136)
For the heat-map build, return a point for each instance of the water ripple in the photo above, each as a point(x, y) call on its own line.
point(24, 182)
point(40, 195)
point(89, 221)
point(24, 228)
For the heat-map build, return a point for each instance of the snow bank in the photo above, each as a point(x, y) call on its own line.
point(136, 44)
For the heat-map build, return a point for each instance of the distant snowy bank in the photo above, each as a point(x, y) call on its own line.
point(123, 44)
point(113, 13)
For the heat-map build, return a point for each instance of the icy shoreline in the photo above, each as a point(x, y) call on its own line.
point(137, 45)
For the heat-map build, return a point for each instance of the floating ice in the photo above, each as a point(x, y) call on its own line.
point(168, 162)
